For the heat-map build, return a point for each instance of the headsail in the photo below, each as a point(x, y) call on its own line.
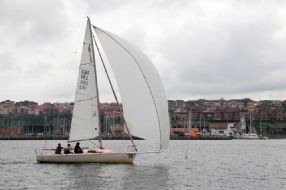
point(142, 93)
point(85, 120)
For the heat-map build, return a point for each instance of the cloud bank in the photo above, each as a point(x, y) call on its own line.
point(202, 49)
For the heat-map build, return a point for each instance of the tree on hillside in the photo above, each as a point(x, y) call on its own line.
point(26, 103)
point(284, 106)
point(245, 101)
point(265, 105)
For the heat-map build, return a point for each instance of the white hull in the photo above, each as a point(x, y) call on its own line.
point(111, 157)
point(249, 136)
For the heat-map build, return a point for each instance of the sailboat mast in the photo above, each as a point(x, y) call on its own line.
point(189, 126)
point(97, 94)
point(250, 124)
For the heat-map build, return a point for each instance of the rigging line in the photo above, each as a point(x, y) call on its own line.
point(90, 140)
point(114, 94)
point(145, 78)
point(77, 140)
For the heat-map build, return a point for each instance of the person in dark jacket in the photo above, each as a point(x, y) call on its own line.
point(77, 148)
point(59, 149)
point(67, 150)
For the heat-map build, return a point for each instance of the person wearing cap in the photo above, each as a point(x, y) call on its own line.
point(59, 149)
point(77, 149)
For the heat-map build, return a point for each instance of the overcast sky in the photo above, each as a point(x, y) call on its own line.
point(201, 48)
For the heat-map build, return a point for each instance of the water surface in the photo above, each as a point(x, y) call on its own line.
point(236, 164)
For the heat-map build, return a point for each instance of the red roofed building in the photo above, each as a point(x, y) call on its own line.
point(218, 126)
point(220, 129)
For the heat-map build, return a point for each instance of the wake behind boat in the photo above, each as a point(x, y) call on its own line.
point(140, 89)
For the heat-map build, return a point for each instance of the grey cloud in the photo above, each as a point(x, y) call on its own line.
point(201, 48)
point(33, 22)
point(227, 56)
point(7, 62)
point(104, 6)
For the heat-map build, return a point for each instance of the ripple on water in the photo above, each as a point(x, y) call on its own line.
point(210, 165)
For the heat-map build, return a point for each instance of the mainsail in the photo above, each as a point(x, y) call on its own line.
point(142, 93)
point(85, 120)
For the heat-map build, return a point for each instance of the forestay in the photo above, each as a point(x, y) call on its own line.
point(142, 94)
point(85, 122)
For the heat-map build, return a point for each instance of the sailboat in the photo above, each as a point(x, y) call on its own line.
point(251, 135)
point(144, 104)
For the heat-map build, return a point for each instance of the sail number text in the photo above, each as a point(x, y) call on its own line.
point(83, 80)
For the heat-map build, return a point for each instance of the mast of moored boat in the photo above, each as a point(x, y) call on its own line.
point(97, 94)
point(250, 124)
point(189, 126)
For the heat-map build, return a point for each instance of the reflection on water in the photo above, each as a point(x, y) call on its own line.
point(145, 177)
point(211, 165)
point(109, 176)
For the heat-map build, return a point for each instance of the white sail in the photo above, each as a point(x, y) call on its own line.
point(142, 93)
point(85, 120)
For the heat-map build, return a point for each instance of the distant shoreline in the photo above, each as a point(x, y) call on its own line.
point(124, 137)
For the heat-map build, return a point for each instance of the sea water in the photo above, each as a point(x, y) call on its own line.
point(217, 165)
